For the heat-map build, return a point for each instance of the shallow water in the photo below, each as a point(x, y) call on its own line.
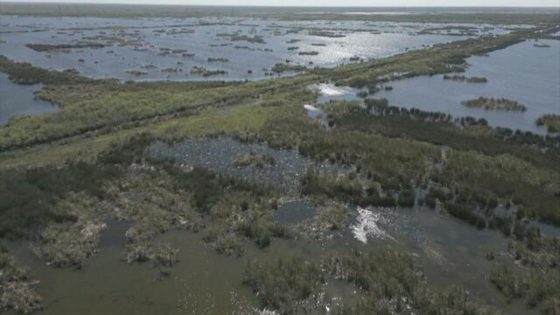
point(219, 155)
point(199, 36)
point(294, 212)
point(201, 283)
point(523, 73)
point(449, 251)
point(19, 100)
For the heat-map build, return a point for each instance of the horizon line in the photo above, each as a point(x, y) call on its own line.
point(25, 2)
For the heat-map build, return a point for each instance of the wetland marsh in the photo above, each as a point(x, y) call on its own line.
point(259, 161)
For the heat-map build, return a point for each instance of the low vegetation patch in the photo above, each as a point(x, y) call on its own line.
point(284, 67)
point(63, 47)
point(495, 104)
point(16, 289)
point(308, 53)
point(463, 78)
point(550, 121)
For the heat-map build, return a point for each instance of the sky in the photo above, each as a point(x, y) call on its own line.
point(323, 3)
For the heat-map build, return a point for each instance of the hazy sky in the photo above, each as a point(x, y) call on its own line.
point(555, 3)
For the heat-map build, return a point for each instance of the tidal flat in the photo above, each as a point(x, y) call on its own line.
point(163, 160)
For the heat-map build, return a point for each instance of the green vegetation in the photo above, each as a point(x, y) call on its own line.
point(550, 121)
point(282, 285)
point(62, 47)
point(541, 45)
point(254, 159)
point(463, 78)
point(136, 72)
point(71, 242)
point(539, 285)
point(495, 104)
point(236, 37)
point(16, 292)
point(332, 216)
point(451, 30)
point(285, 67)
point(63, 175)
point(217, 59)
point(535, 287)
point(308, 53)
point(25, 73)
point(326, 34)
point(387, 282)
point(198, 70)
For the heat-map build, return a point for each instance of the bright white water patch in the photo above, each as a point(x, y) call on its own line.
point(315, 113)
point(328, 92)
point(310, 107)
point(330, 89)
point(367, 225)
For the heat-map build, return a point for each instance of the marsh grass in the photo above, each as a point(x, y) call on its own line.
point(550, 121)
point(16, 288)
point(495, 104)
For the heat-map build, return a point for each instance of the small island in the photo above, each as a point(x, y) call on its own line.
point(463, 78)
point(308, 53)
point(206, 72)
point(495, 104)
point(217, 59)
point(541, 45)
point(284, 67)
point(550, 121)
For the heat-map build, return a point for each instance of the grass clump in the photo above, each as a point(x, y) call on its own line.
point(550, 121)
point(495, 104)
point(284, 67)
point(285, 283)
point(70, 243)
point(63, 47)
point(236, 37)
point(391, 284)
point(385, 281)
point(308, 53)
point(538, 289)
point(16, 292)
point(463, 78)
point(254, 159)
